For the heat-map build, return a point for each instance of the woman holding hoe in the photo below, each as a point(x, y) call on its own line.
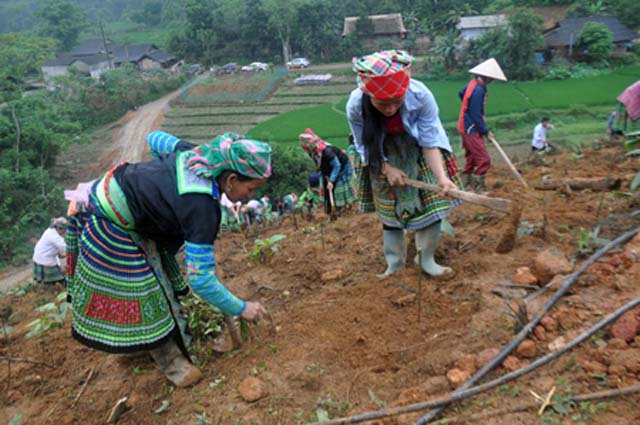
point(398, 134)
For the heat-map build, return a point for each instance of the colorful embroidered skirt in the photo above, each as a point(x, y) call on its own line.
point(343, 191)
point(46, 274)
point(406, 207)
point(122, 288)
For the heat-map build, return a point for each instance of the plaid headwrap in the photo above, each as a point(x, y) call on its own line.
point(311, 142)
point(230, 152)
point(384, 75)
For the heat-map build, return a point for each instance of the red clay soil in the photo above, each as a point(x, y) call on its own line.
point(347, 342)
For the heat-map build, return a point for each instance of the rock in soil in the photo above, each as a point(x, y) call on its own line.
point(511, 363)
point(404, 300)
point(626, 327)
point(549, 324)
point(485, 356)
point(630, 359)
point(435, 385)
point(540, 333)
point(252, 389)
point(457, 377)
point(617, 344)
point(467, 363)
point(524, 276)
point(549, 263)
point(526, 349)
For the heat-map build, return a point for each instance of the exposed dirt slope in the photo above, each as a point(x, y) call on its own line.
point(348, 342)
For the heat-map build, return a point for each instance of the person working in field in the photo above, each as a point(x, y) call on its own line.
point(123, 279)
point(337, 174)
point(472, 126)
point(398, 134)
point(48, 251)
point(539, 142)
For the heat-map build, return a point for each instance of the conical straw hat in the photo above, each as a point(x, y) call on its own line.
point(489, 68)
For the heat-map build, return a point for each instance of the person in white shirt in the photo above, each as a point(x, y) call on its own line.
point(539, 141)
point(252, 211)
point(233, 207)
point(48, 251)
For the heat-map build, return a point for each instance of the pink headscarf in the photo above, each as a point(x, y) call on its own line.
point(311, 142)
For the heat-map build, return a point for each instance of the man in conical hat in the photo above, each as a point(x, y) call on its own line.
point(472, 126)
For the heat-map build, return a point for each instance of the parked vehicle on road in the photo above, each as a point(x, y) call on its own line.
point(255, 67)
point(298, 63)
point(229, 68)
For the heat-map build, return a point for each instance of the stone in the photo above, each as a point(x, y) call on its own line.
point(549, 263)
point(466, 362)
point(404, 300)
point(630, 359)
point(435, 385)
point(526, 349)
point(457, 377)
point(252, 389)
point(511, 363)
point(594, 367)
point(540, 333)
point(567, 318)
point(524, 276)
point(331, 275)
point(626, 327)
point(617, 344)
point(557, 344)
point(549, 324)
point(485, 356)
point(557, 281)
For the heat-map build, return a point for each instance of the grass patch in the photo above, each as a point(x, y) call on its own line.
point(286, 127)
point(512, 109)
point(591, 91)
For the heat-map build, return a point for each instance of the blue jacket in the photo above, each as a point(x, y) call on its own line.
point(474, 115)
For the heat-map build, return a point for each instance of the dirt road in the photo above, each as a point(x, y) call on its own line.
point(131, 138)
point(129, 144)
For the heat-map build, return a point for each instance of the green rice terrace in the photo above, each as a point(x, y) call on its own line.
point(271, 107)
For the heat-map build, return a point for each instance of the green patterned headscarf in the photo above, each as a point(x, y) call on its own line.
point(230, 152)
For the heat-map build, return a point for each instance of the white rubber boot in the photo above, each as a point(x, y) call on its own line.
point(427, 241)
point(395, 251)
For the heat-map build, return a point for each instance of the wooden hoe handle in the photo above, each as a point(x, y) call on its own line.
point(499, 204)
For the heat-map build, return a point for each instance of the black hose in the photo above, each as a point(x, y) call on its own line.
point(534, 322)
point(461, 395)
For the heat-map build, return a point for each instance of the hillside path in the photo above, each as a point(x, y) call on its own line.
point(130, 139)
point(129, 144)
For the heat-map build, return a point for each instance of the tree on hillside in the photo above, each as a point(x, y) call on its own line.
point(513, 47)
point(525, 37)
point(627, 11)
point(22, 55)
point(63, 20)
point(582, 8)
point(326, 36)
point(282, 20)
point(445, 49)
point(597, 41)
point(196, 37)
point(149, 12)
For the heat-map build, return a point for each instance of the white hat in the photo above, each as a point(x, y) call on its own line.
point(489, 68)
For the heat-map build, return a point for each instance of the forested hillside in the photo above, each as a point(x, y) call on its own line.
point(213, 31)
